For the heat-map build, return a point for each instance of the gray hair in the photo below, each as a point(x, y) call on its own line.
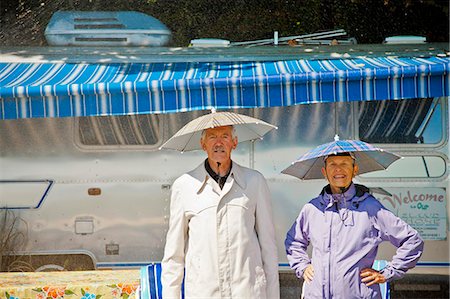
point(233, 132)
point(343, 154)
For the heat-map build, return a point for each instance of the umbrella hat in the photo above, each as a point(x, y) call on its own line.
point(246, 128)
point(368, 157)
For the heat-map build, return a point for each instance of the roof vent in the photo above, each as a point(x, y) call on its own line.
point(404, 39)
point(105, 28)
point(209, 42)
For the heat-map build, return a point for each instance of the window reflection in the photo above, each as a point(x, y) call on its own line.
point(401, 121)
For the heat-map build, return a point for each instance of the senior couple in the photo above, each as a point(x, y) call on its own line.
point(221, 237)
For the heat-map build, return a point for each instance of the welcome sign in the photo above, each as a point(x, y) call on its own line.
point(423, 208)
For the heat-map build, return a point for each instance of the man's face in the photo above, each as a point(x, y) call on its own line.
point(339, 171)
point(218, 143)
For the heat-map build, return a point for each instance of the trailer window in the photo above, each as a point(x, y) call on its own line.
point(305, 125)
point(416, 121)
point(123, 130)
point(175, 121)
point(23, 194)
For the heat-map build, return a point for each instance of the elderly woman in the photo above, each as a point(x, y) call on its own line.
point(345, 224)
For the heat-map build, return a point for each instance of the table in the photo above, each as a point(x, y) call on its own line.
point(104, 284)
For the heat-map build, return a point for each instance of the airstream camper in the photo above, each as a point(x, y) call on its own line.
point(83, 183)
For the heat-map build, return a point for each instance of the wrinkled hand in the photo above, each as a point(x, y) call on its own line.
point(370, 276)
point(308, 274)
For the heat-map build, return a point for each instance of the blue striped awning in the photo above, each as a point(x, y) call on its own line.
point(59, 90)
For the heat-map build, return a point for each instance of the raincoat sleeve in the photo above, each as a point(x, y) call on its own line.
point(407, 240)
point(266, 235)
point(174, 253)
point(296, 244)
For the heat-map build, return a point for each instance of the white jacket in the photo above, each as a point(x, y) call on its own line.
point(223, 239)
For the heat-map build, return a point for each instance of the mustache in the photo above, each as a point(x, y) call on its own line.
point(219, 148)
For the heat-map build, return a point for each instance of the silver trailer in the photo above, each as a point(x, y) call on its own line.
point(93, 191)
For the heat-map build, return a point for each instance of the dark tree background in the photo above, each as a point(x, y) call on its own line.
point(22, 22)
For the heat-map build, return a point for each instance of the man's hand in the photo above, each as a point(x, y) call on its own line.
point(370, 276)
point(308, 274)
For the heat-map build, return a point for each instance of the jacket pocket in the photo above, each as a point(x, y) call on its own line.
point(241, 201)
point(198, 209)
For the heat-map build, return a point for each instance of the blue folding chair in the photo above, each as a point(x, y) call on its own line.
point(385, 291)
point(151, 287)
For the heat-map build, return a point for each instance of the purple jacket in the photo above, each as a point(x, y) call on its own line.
point(345, 234)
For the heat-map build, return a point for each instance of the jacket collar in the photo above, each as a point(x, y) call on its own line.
point(236, 174)
point(349, 193)
point(328, 198)
point(354, 193)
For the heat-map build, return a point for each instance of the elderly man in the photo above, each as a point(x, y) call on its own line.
point(345, 224)
point(221, 237)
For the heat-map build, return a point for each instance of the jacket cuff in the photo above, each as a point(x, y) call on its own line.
point(390, 273)
point(300, 271)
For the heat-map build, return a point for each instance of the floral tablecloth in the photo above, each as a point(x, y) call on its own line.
point(104, 284)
